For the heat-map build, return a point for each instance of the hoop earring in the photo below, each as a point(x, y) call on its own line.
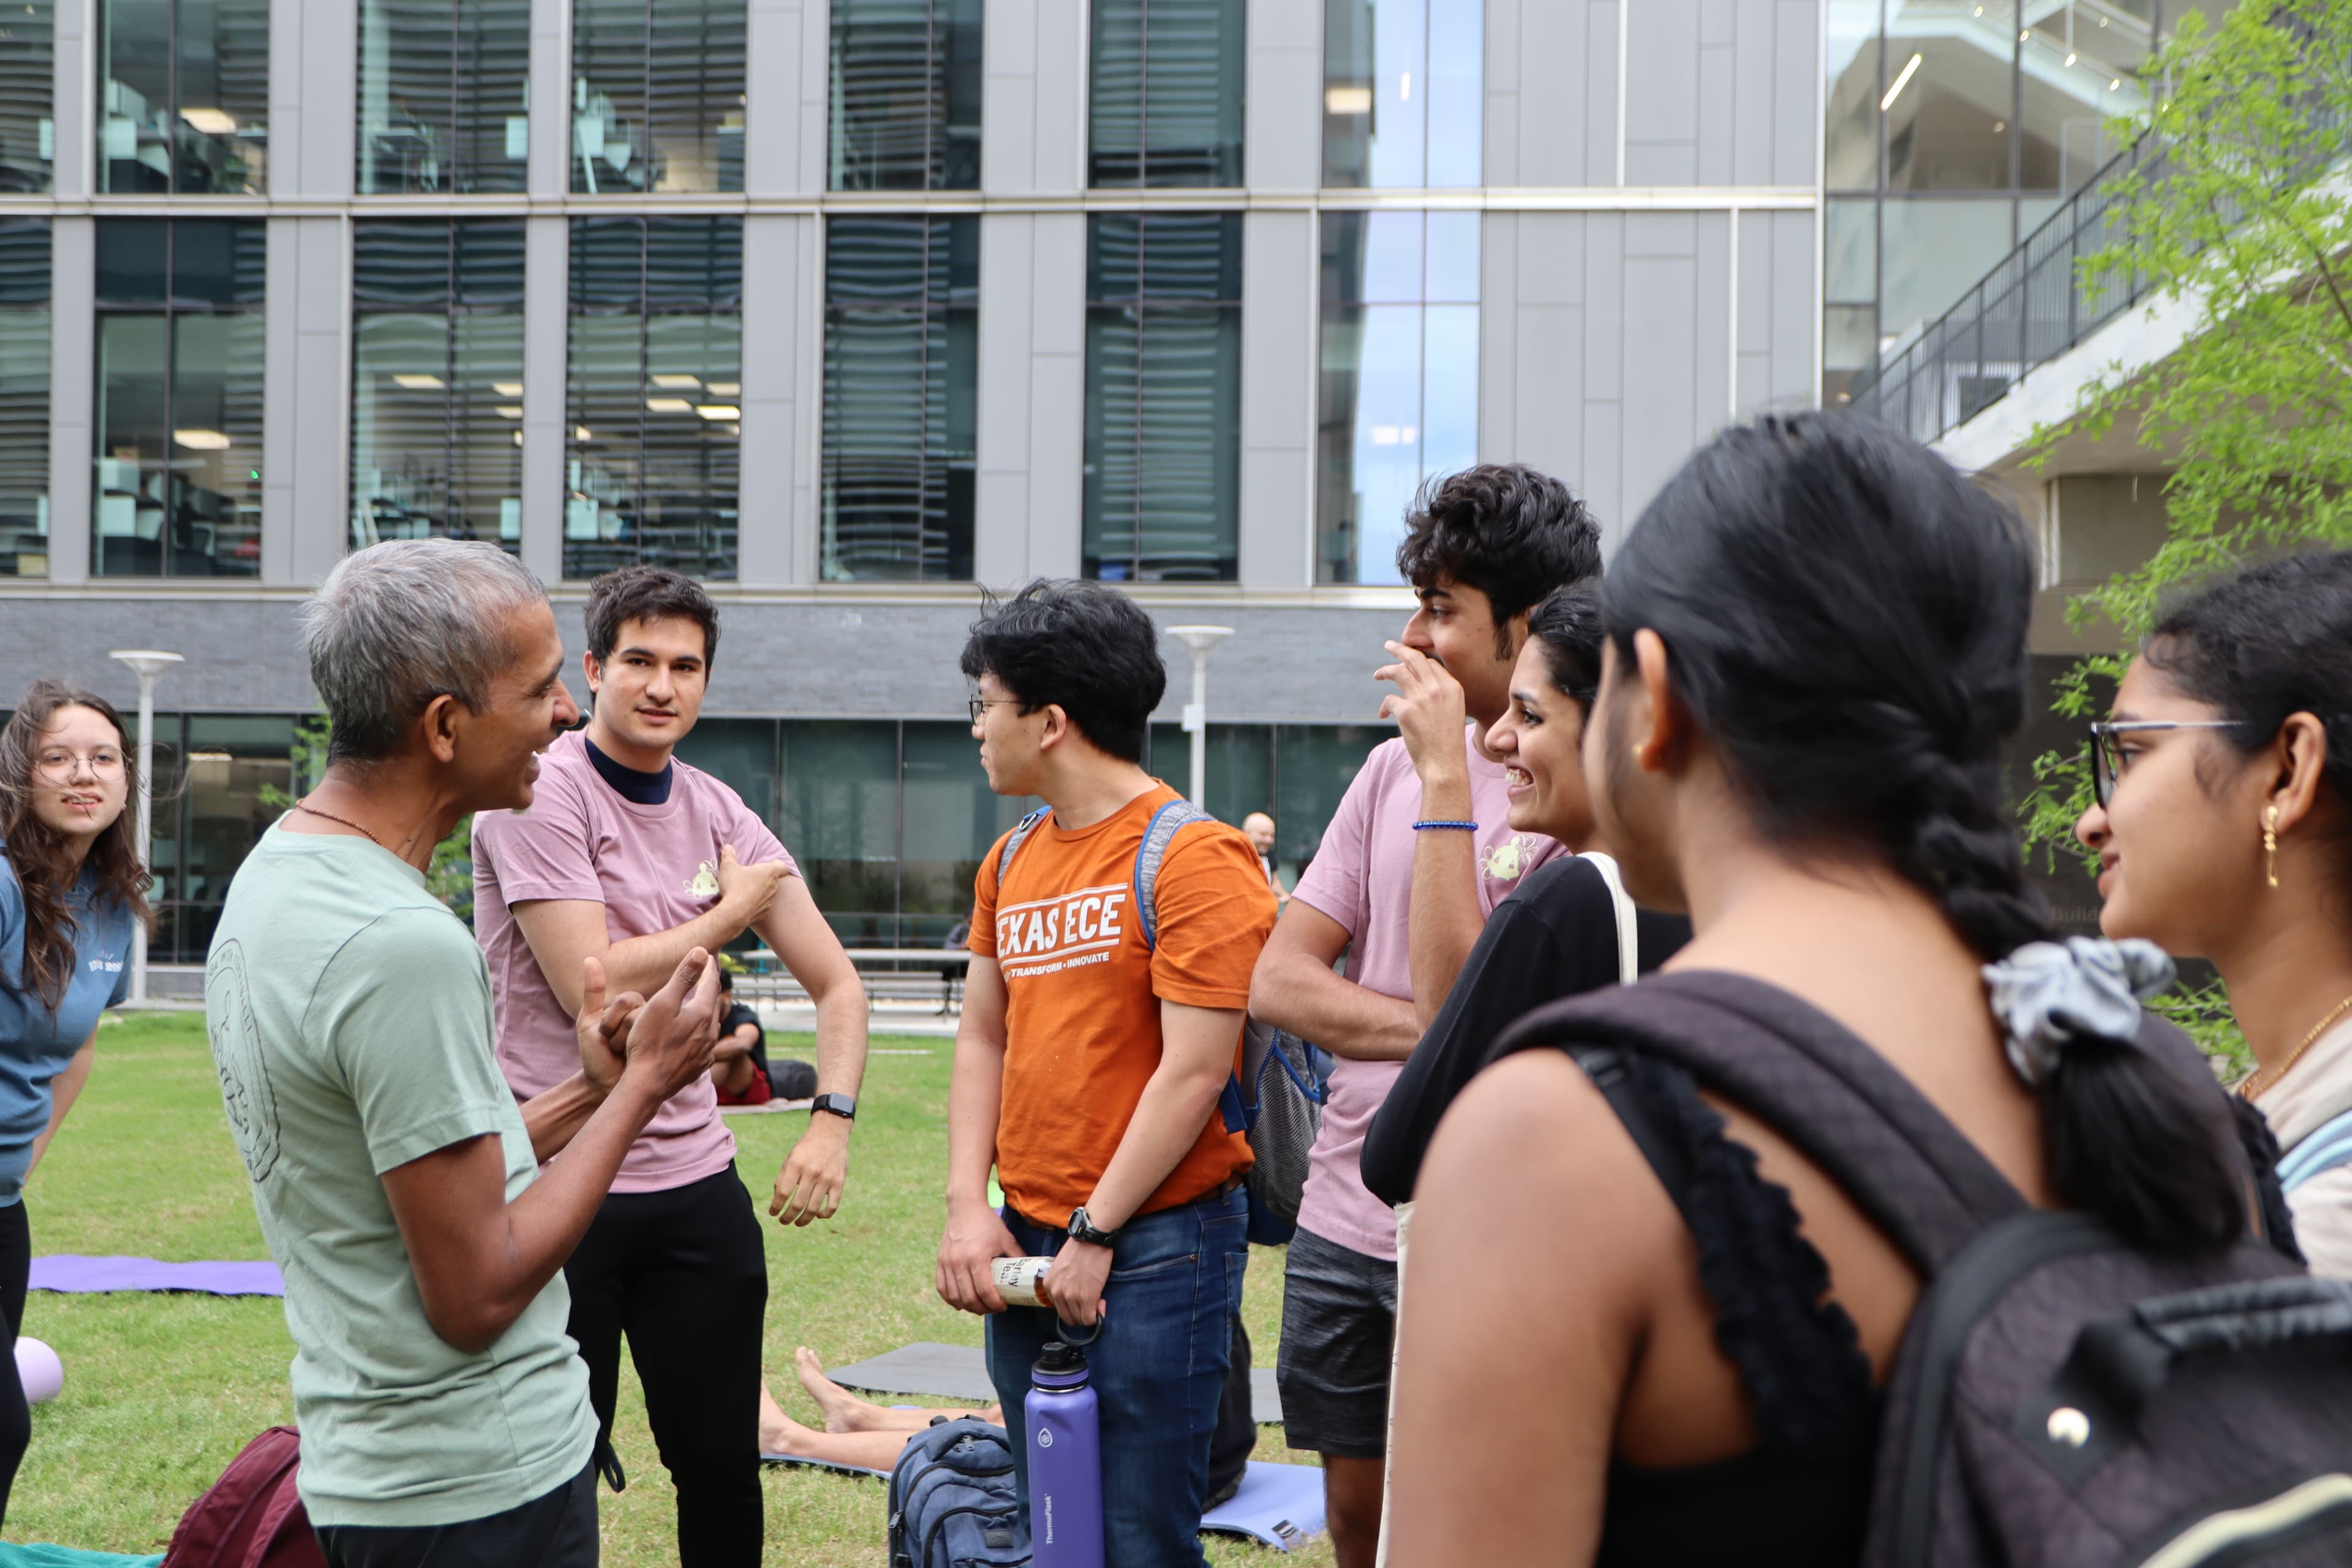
point(2269, 844)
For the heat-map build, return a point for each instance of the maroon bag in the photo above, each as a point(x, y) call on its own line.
point(252, 1517)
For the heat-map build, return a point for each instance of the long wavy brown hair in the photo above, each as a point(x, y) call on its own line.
point(44, 872)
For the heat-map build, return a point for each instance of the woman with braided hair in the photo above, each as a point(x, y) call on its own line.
point(1815, 645)
point(2223, 819)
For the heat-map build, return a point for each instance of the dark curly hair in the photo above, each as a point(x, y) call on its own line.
point(44, 874)
point(1846, 617)
point(1083, 647)
point(647, 593)
point(2269, 641)
point(1504, 528)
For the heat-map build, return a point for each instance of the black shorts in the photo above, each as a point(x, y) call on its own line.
point(1338, 1323)
point(556, 1529)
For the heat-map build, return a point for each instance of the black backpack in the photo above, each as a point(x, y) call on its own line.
point(2062, 1399)
point(952, 1503)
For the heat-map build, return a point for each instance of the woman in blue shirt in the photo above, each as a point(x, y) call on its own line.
point(70, 887)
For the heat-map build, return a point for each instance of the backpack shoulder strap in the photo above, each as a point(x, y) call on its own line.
point(1629, 936)
point(1893, 1153)
point(1165, 824)
point(2327, 1147)
point(1016, 838)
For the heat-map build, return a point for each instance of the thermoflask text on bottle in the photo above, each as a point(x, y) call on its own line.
point(1066, 1524)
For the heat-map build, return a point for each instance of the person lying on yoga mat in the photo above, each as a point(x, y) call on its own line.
point(857, 1431)
point(869, 1436)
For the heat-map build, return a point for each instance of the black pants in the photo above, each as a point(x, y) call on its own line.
point(684, 1273)
point(16, 1419)
point(557, 1530)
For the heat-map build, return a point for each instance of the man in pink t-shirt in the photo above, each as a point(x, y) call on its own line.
point(1418, 855)
point(632, 857)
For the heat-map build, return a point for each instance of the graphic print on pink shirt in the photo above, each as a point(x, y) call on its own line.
point(1361, 877)
point(653, 868)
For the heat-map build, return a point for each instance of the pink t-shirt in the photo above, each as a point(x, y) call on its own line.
point(653, 868)
point(1361, 876)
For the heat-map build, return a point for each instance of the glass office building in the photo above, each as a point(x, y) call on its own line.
point(855, 313)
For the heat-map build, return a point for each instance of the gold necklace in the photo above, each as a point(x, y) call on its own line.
point(347, 822)
point(2247, 1089)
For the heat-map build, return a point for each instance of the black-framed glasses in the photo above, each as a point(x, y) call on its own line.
point(2108, 760)
point(980, 705)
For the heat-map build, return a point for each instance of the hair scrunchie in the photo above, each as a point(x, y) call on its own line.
point(2048, 995)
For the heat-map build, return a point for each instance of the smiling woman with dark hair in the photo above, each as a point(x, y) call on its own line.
point(71, 887)
point(2223, 826)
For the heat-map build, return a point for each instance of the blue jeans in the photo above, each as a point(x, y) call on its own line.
point(1158, 1370)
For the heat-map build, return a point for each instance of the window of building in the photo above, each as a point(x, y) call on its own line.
point(1955, 128)
point(1166, 94)
point(657, 95)
point(1398, 398)
point(28, 132)
point(1404, 92)
point(906, 95)
point(444, 95)
point(655, 400)
point(179, 375)
point(185, 106)
point(24, 397)
point(1163, 397)
point(436, 380)
point(901, 335)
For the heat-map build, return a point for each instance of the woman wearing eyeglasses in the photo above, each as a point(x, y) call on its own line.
point(2223, 826)
point(70, 888)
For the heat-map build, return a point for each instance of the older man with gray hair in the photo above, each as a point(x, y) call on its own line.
point(445, 1415)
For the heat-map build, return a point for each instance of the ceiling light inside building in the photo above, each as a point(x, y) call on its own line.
point(210, 122)
point(2069, 57)
point(201, 440)
point(677, 380)
point(1901, 82)
point(510, 411)
point(725, 389)
point(718, 411)
point(1347, 100)
point(668, 405)
point(582, 432)
point(507, 388)
point(417, 382)
point(2115, 84)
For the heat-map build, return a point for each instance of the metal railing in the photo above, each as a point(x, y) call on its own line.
point(2029, 308)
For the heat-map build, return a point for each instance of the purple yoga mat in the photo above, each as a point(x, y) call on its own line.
point(64, 1272)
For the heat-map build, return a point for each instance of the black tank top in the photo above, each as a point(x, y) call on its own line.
point(1803, 1496)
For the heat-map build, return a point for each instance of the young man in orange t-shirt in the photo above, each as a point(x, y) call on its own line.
point(1089, 1061)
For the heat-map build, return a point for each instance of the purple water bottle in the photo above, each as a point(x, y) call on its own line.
point(1065, 1523)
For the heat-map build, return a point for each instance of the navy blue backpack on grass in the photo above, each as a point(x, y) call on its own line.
point(952, 1503)
point(1277, 1098)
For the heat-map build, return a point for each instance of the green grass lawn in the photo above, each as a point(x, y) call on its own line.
point(160, 1391)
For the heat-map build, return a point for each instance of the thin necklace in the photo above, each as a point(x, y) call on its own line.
point(2248, 1088)
point(347, 822)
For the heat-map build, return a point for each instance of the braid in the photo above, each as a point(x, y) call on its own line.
point(1846, 617)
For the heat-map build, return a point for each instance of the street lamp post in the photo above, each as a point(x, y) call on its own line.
point(147, 664)
point(1200, 639)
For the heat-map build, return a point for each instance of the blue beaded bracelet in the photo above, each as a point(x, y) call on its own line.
point(1464, 826)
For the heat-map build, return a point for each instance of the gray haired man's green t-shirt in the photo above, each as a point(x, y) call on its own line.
point(351, 1023)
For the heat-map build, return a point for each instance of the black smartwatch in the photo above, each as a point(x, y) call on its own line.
point(841, 1105)
point(1083, 1229)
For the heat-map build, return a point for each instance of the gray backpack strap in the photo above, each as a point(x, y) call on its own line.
point(1791, 1065)
point(1015, 839)
point(1165, 822)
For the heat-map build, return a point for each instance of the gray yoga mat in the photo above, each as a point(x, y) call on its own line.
point(959, 1371)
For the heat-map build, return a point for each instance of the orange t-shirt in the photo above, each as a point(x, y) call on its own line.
point(1083, 994)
